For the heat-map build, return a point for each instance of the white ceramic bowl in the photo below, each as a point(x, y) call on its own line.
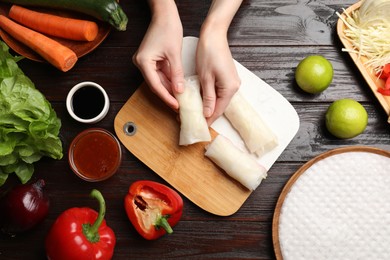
point(70, 106)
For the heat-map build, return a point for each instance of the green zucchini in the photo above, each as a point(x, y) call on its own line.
point(105, 10)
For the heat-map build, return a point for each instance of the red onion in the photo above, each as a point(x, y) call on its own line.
point(23, 207)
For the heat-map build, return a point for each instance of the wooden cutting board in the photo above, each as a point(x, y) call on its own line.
point(155, 143)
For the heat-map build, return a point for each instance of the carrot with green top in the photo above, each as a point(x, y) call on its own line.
point(54, 25)
point(55, 53)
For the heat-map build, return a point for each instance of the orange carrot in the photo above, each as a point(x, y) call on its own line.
point(68, 28)
point(55, 53)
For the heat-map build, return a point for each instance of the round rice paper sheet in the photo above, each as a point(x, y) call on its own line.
point(337, 206)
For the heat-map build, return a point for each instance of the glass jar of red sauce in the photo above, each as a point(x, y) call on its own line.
point(95, 154)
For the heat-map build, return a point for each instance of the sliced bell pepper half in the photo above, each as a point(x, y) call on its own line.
point(153, 208)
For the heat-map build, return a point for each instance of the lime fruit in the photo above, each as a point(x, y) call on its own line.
point(346, 118)
point(314, 74)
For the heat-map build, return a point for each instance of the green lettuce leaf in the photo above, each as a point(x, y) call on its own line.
point(29, 126)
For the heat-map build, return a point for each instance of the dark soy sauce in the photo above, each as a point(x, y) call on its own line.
point(88, 102)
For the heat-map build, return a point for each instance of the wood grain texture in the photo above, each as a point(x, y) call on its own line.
point(267, 37)
point(155, 142)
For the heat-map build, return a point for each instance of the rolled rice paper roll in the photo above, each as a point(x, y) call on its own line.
point(193, 124)
point(238, 164)
point(257, 136)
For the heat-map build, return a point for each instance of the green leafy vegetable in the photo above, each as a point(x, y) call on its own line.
point(29, 127)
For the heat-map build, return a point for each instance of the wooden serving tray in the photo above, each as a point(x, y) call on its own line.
point(156, 138)
point(372, 80)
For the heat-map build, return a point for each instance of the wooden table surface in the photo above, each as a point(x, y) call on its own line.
point(267, 37)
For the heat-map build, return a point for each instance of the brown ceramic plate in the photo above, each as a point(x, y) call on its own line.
point(81, 48)
point(370, 77)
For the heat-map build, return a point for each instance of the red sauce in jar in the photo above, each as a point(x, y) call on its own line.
point(95, 154)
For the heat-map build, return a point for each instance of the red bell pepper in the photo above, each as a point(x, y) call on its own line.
point(153, 208)
point(384, 91)
point(81, 233)
point(385, 72)
point(385, 75)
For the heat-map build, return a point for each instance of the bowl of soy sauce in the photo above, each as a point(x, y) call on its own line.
point(87, 102)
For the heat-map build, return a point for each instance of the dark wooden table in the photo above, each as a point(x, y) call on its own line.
point(267, 37)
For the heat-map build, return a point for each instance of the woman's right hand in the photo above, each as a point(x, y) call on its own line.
point(159, 55)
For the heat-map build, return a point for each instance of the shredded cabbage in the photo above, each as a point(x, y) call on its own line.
point(29, 127)
point(368, 31)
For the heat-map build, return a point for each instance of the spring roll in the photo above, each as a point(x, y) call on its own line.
point(236, 163)
point(257, 136)
point(193, 124)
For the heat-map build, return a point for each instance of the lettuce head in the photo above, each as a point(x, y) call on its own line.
point(29, 127)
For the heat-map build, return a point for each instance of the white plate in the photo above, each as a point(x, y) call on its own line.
point(337, 206)
point(273, 108)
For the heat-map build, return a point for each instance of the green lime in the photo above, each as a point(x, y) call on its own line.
point(314, 74)
point(346, 118)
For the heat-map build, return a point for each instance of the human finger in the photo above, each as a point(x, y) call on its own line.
point(176, 73)
point(208, 96)
point(158, 83)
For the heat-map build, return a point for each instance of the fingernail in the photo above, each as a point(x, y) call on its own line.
point(179, 87)
point(207, 112)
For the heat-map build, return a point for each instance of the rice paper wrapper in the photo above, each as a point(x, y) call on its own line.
point(193, 124)
point(236, 163)
point(339, 208)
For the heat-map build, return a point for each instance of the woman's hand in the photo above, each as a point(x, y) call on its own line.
point(214, 62)
point(159, 55)
point(217, 74)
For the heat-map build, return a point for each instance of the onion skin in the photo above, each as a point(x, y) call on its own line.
point(23, 207)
